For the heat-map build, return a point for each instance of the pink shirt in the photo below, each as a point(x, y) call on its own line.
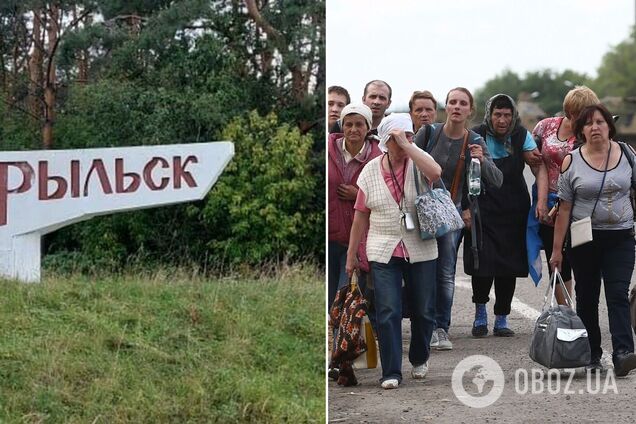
point(361, 199)
point(552, 149)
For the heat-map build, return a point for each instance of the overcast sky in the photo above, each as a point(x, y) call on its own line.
point(439, 44)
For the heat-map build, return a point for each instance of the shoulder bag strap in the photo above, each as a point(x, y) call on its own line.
point(459, 168)
point(425, 183)
point(628, 152)
point(424, 143)
point(598, 196)
point(600, 190)
point(427, 136)
point(625, 148)
point(416, 176)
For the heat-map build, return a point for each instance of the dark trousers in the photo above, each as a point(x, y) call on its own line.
point(609, 256)
point(504, 290)
point(336, 275)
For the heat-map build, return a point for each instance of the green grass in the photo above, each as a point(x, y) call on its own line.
point(157, 349)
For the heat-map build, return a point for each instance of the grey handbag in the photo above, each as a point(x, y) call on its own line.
point(559, 339)
point(436, 212)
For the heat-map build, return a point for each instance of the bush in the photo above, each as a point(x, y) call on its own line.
point(264, 205)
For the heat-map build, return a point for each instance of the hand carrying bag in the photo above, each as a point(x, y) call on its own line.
point(559, 339)
point(436, 212)
point(347, 316)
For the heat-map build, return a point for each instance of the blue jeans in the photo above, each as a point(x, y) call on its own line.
point(610, 256)
point(446, 262)
point(336, 273)
point(420, 285)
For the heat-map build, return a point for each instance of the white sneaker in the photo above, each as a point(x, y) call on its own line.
point(391, 383)
point(443, 342)
point(434, 339)
point(420, 371)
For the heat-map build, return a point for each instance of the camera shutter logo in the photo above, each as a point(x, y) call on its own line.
point(483, 376)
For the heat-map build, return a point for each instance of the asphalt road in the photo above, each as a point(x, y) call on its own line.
point(528, 394)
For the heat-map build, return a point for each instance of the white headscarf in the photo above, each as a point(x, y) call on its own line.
point(401, 121)
point(360, 109)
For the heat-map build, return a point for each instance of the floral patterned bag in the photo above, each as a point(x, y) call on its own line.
point(436, 213)
point(353, 336)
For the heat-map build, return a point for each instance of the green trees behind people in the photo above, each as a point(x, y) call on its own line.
point(546, 87)
point(163, 72)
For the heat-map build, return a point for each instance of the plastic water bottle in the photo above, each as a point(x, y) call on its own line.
point(474, 177)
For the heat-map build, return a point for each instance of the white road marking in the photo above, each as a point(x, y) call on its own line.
point(528, 312)
point(519, 307)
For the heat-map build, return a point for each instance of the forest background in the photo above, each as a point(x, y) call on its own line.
point(107, 73)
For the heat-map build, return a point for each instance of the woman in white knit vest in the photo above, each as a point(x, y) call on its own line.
point(386, 205)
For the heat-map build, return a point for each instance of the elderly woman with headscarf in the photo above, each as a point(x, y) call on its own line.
point(348, 154)
point(386, 205)
point(504, 213)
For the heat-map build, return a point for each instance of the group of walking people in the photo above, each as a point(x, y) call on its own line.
point(374, 159)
